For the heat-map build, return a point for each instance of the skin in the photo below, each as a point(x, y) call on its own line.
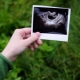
point(20, 40)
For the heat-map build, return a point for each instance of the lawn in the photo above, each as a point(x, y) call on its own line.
point(54, 60)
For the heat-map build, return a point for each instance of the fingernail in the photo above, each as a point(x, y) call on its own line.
point(38, 33)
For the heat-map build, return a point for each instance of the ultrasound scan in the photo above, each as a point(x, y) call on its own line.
point(50, 20)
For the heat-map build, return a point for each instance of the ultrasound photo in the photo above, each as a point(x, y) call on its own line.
point(50, 20)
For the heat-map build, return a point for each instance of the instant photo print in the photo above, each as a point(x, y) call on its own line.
point(51, 22)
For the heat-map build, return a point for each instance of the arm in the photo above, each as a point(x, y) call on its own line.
point(20, 40)
point(5, 66)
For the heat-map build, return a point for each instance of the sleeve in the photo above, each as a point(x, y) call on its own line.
point(5, 66)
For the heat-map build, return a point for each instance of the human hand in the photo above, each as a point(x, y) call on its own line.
point(19, 41)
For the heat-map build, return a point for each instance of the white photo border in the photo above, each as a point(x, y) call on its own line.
point(57, 37)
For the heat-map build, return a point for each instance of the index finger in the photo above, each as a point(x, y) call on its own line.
point(26, 30)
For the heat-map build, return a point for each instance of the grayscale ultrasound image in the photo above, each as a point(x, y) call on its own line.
point(50, 20)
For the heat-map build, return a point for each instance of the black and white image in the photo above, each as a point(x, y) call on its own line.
point(51, 22)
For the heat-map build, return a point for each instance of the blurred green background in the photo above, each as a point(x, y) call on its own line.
point(53, 60)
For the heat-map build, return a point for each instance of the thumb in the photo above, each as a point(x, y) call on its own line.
point(31, 39)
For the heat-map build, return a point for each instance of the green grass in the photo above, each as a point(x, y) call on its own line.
point(53, 60)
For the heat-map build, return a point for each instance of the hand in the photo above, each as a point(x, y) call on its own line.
point(19, 41)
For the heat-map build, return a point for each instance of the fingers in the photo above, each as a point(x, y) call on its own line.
point(22, 32)
point(31, 47)
point(26, 30)
point(35, 45)
point(31, 39)
point(39, 42)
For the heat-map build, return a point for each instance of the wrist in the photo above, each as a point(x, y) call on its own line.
point(8, 55)
point(6, 62)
